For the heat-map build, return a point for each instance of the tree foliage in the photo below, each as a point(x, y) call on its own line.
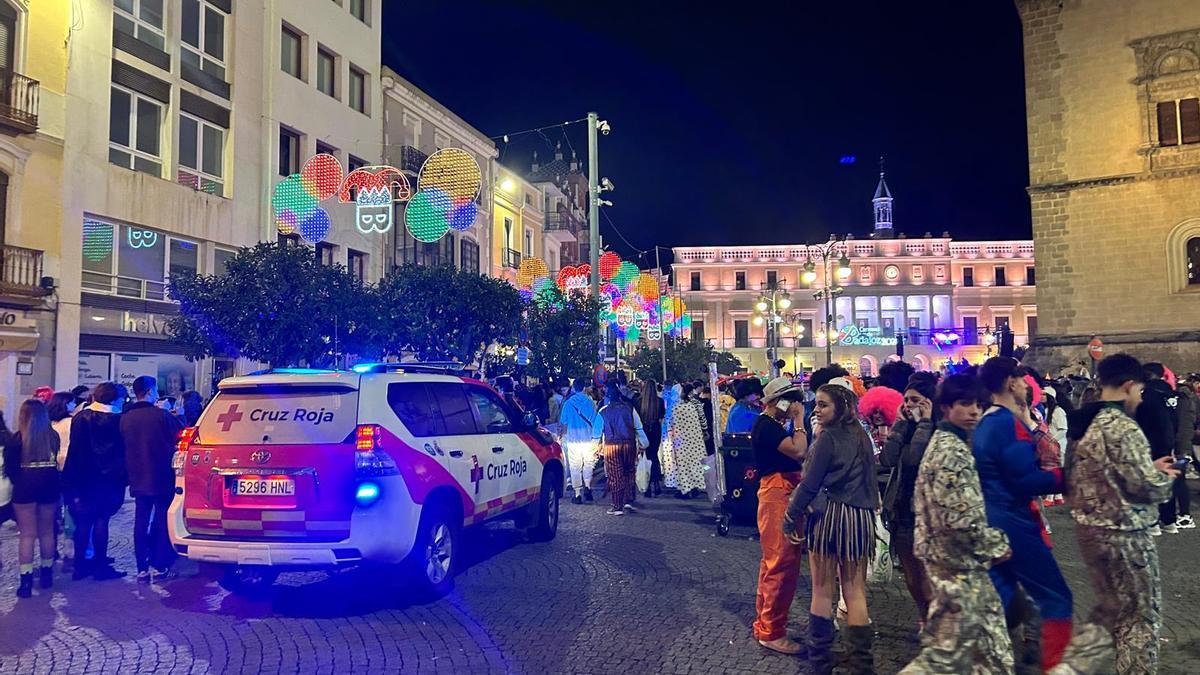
point(728, 363)
point(686, 360)
point(563, 335)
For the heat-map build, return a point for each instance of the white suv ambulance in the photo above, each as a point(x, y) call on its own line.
point(296, 468)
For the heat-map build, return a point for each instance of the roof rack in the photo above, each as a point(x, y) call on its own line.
point(428, 367)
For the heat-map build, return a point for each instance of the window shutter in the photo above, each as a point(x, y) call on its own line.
point(1189, 120)
point(1168, 133)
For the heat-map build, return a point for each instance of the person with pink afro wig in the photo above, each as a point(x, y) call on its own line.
point(879, 407)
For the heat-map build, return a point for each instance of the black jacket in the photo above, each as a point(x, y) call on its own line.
point(97, 454)
point(1158, 417)
point(149, 433)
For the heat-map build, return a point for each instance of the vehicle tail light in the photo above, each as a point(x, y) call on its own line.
point(179, 459)
point(369, 458)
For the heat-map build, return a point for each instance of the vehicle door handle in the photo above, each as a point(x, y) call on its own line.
point(456, 453)
point(497, 448)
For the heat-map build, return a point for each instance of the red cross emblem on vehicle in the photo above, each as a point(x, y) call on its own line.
point(476, 472)
point(228, 418)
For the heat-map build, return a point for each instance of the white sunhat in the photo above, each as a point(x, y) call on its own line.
point(778, 387)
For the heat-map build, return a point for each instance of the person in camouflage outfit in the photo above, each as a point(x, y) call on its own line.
point(1113, 489)
point(965, 630)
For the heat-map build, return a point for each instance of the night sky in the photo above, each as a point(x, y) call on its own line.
point(731, 127)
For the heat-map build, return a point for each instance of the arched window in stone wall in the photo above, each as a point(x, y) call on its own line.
point(1183, 257)
point(1193, 261)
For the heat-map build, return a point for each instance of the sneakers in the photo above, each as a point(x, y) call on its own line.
point(1155, 531)
point(143, 576)
point(1185, 522)
point(1170, 528)
point(615, 512)
point(577, 499)
point(630, 508)
point(158, 576)
point(587, 495)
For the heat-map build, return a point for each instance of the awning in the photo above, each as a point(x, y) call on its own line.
point(18, 339)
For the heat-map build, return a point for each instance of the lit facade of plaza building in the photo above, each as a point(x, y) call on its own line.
point(946, 299)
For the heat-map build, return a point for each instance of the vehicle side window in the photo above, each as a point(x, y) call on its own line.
point(494, 416)
point(457, 417)
point(411, 403)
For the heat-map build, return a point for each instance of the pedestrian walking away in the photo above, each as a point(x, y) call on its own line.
point(149, 434)
point(1113, 488)
point(1158, 417)
point(651, 411)
point(840, 493)
point(30, 465)
point(779, 446)
point(965, 630)
point(618, 431)
point(577, 417)
point(685, 470)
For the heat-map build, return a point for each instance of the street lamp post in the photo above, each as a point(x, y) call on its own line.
point(827, 252)
point(794, 327)
point(768, 308)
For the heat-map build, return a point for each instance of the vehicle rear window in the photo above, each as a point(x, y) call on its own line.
point(411, 403)
point(280, 415)
point(456, 410)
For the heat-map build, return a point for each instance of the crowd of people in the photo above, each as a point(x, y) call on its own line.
point(67, 465)
point(953, 476)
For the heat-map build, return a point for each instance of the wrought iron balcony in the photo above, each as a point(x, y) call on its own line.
point(411, 159)
point(563, 221)
point(21, 272)
point(512, 258)
point(18, 102)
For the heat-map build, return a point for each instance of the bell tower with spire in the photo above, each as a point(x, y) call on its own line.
point(883, 208)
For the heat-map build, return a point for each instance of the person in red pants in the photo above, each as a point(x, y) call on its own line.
point(779, 444)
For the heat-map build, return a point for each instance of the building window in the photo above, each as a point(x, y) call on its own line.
point(360, 9)
point(739, 281)
point(201, 154)
point(325, 253)
point(143, 19)
point(326, 149)
point(968, 276)
point(221, 259)
point(326, 72)
point(289, 152)
point(1031, 326)
point(528, 199)
point(132, 261)
point(741, 334)
point(970, 330)
point(469, 256)
point(290, 53)
point(358, 90)
point(1179, 122)
point(1001, 278)
point(356, 263)
point(203, 37)
point(528, 250)
point(134, 128)
point(1001, 323)
point(772, 279)
point(1030, 277)
point(695, 281)
point(918, 272)
point(698, 331)
point(1193, 261)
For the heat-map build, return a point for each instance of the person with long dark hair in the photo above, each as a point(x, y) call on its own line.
point(30, 465)
point(840, 487)
point(652, 418)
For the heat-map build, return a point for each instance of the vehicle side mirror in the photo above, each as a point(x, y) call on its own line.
point(530, 421)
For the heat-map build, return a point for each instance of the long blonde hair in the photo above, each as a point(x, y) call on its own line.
point(39, 441)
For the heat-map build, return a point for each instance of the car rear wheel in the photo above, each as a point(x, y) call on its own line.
point(248, 580)
point(434, 559)
point(545, 526)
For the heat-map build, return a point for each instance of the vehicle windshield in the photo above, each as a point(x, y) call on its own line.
point(280, 415)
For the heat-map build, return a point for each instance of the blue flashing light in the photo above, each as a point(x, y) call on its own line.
point(367, 493)
point(848, 159)
point(363, 367)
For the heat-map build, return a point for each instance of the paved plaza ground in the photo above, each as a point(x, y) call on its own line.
point(655, 592)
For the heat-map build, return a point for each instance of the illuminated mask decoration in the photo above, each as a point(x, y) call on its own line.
point(447, 187)
point(374, 210)
point(142, 238)
point(641, 320)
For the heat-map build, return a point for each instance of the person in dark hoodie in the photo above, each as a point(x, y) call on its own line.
point(94, 480)
point(1112, 488)
point(149, 433)
point(1159, 420)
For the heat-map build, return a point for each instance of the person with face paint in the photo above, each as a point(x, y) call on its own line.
point(966, 632)
point(1007, 460)
point(1113, 487)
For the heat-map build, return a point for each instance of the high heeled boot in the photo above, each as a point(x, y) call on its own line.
point(861, 642)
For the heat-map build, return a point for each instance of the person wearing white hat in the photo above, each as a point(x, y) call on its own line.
point(780, 445)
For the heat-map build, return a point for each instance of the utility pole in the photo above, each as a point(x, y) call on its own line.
point(662, 345)
point(594, 203)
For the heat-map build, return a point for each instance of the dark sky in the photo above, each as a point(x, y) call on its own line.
point(728, 126)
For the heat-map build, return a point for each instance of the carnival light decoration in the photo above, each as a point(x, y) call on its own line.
point(296, 198)
point(142, 238)
point(374, 189)
point(447, 187)
point(531, 269)
point(97, 240)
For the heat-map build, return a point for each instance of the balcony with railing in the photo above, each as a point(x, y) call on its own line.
point(563, 226)
point(411, 159)
point(18, 102)
point(126, 287)
point(512, 258)
point(21, 272)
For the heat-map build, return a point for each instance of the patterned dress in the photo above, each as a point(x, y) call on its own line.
point(682, 462)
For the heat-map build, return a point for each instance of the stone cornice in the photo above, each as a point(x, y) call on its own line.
point(401, 90)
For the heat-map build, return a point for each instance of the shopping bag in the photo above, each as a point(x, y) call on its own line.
point(643, 474)
point(711, 484)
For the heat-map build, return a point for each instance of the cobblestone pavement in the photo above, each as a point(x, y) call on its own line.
point(655, 592)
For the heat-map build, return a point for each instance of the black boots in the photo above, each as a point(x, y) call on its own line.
point(820, 643)
point(25, 590)
point(860, 660)
point(47, 577)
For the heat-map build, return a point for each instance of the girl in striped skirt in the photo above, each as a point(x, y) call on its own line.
point(840, 493)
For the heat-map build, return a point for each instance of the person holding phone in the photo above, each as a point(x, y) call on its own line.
point(1113, 487)
point(780, 445)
